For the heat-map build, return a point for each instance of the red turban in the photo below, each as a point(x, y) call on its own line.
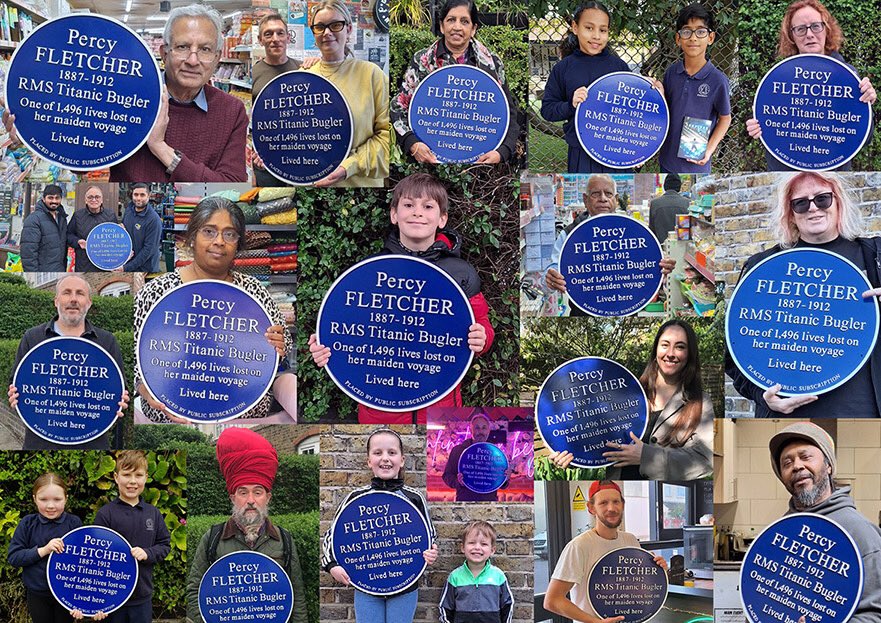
point(246, 458)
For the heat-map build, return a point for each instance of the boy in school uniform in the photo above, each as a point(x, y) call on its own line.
point(477, 591)
point(143, 526)
point(697, 95)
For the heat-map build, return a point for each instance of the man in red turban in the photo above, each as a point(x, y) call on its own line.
point(248, 463)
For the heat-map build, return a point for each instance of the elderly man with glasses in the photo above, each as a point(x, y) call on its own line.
point(82, 223)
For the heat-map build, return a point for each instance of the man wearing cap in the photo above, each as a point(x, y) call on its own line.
point(248, 463)
point(43, 241)
point(570, 576)
point(480, 429)
point(803, 458)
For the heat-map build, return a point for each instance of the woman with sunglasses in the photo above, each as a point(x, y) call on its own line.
point(366, 90)
point(215, 232)
point(809, 28)
point(457, 24)
point(814, 211)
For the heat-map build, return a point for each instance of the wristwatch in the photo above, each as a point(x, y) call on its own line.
point(174, 162)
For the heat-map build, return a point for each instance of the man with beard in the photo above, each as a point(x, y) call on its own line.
point(803, 458)
point(73, 299)
point(480, 429)
point(570, 576)
point(82, 223)
point(601, 198)
point(248, 463)
point(144, 225)
point(43, 240)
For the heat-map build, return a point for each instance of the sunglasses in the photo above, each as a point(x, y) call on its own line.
point(803, 204)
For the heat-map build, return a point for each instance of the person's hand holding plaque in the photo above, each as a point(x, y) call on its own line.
point(338, 175)
point(158, 406)
point(625, 454)
point(490, 157)
point(139, 554)
point(561, 459)
point(579, 96)
point(476, 337)
point(79, 616)
point(430, 555)
point(320, 354)
point(422, 153)
point(867, 91)
point(55, 545)
point(555, 281)
point(156, 139)
point(784, 405)
point(339, 574)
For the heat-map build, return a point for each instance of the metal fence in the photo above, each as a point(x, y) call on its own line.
point(646, 53)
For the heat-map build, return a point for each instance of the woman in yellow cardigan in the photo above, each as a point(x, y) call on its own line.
point(365, 88)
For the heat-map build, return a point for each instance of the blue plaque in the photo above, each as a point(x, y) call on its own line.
point(810, 112)
point(798, 318)
point(611, 264)
point(801, 565)
point(108, 246)
point(245, 583)
point(302, 127)
point(460, 112)
point(95, 573)
point(623, 122)
point(627, 582)
point(203, 352)
point(378, 538)
point(69, 390)
point(85, 91)
point(483, 467)
point(587, 403)
point(397, 328)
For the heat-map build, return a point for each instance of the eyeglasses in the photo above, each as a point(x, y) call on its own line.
point(803, 204)
point(700, 33)
point(801, 31)
point(598, 194)
point(90, 197)
point(229, 235)
point(205, 54)
point(335, 26)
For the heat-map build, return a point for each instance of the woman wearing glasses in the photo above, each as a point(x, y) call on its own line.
point(809, 28)
point(457, 24)
point(215, 232)
point(813, 210)
point(365, 88)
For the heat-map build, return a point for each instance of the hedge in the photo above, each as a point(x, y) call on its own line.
point(304, 530)
point(337, 230)
point(89, 476)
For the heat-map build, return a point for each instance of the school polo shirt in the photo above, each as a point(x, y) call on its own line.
point(702, 96)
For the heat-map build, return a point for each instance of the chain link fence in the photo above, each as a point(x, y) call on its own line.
point(645, 40)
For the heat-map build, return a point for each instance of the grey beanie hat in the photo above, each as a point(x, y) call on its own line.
point(803, 431)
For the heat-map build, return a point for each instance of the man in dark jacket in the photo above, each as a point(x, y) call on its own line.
point(664, 209)
point(82, 223)
point(44, 235)
point(480, 429)
point(145, 227)
point(803, 458)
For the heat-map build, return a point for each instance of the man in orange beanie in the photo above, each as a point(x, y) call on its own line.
point(248, 464)
point(606, 503)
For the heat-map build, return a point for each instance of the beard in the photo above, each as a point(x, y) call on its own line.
point(611, 525)
point(249, 524)
point(806, 497)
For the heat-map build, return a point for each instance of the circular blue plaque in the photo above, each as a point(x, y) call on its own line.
point(483, 467)
point(108, 246)
point(798, 318)
point(202, 351)
point(611, 264)
point(85, 91)
point(378, 538)
point(623, 122)
point(246, 586)
point(69, 390)
point(302, 127)
point(802, 564)
point(627, 582)
point(398, 330)
point(810, 112)
point(95, 573)
point(460, 112)
point(586, 403)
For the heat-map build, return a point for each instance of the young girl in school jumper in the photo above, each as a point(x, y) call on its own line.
point(36, 536)
point(385, 458)
point(586, 57)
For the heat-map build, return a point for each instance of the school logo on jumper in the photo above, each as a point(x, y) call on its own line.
point(703, 90)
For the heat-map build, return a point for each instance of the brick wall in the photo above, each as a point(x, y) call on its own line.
point(344, 467)
point(742, 209)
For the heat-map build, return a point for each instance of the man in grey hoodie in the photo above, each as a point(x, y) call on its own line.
point(803, 458)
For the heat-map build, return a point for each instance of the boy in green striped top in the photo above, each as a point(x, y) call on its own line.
point(477, 591)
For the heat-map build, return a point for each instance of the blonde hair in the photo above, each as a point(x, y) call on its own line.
point(481, 527)
point(49, 478)
point(850, 220)
point(334, 5)
point(130, 459)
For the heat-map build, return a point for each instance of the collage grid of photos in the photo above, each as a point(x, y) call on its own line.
point(447, 311)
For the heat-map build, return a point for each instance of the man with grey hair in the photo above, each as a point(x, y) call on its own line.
point(73, 299)
point(803, 459)
point(201, 131)
point(83, 222)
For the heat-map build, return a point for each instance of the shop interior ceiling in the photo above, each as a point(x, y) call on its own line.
point(149, 13)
